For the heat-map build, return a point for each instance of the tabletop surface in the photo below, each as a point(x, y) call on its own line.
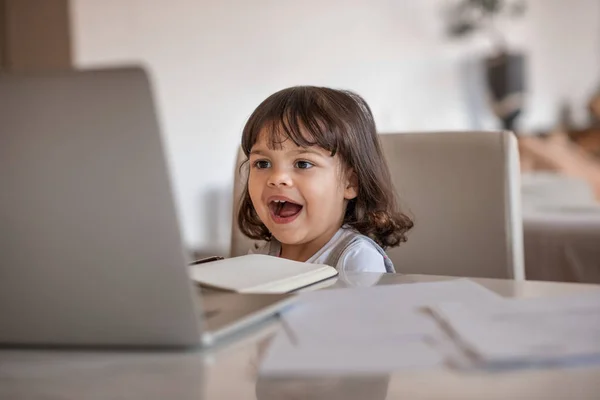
point(229, 370)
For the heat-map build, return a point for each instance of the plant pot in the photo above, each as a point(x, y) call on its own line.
point(505, 76)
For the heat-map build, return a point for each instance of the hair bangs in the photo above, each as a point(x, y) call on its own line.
point(296, 115)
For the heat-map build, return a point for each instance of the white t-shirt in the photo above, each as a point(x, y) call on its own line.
point(359, 256)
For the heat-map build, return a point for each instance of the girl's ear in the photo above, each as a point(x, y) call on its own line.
point(351, 185)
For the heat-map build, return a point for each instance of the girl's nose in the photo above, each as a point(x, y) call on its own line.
point(279, 178)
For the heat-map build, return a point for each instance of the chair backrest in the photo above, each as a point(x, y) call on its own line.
point(463, 191)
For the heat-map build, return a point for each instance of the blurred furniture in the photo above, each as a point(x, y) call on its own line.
point(561, 207)
point(546, 187)
point(559, 154)
point(561, 222)
point(588, 139)
point(231, 370)
point(462, 188)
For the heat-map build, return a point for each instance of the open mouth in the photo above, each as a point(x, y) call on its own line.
point(283, 211)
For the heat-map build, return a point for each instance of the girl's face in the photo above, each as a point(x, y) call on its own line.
point(300, 194)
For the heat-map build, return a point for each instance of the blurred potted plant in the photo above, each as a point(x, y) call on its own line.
point(504, 70)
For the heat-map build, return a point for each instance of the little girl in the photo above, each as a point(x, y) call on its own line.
point(318, 188)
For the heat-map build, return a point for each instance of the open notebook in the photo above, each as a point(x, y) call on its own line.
point(257, 273)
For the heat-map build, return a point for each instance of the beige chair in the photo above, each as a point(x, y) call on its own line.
point(462, 189)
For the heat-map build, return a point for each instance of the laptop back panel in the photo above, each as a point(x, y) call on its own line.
point(90, 246)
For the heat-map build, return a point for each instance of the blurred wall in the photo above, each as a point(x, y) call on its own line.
point(213, 61)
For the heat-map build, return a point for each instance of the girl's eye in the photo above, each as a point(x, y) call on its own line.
point(262, 164)
point(304, 164)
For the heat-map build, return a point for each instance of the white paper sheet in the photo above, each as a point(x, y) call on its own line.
point(528, 332)
point(366, 330)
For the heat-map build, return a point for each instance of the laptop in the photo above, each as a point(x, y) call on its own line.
point(90, 247)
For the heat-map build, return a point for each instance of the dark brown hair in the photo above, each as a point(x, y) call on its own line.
point(341, 122)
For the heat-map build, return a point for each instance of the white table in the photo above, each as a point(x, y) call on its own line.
point(229, 371)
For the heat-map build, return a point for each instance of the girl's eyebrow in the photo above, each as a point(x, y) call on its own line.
point(258, 151)
point(306, 151)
